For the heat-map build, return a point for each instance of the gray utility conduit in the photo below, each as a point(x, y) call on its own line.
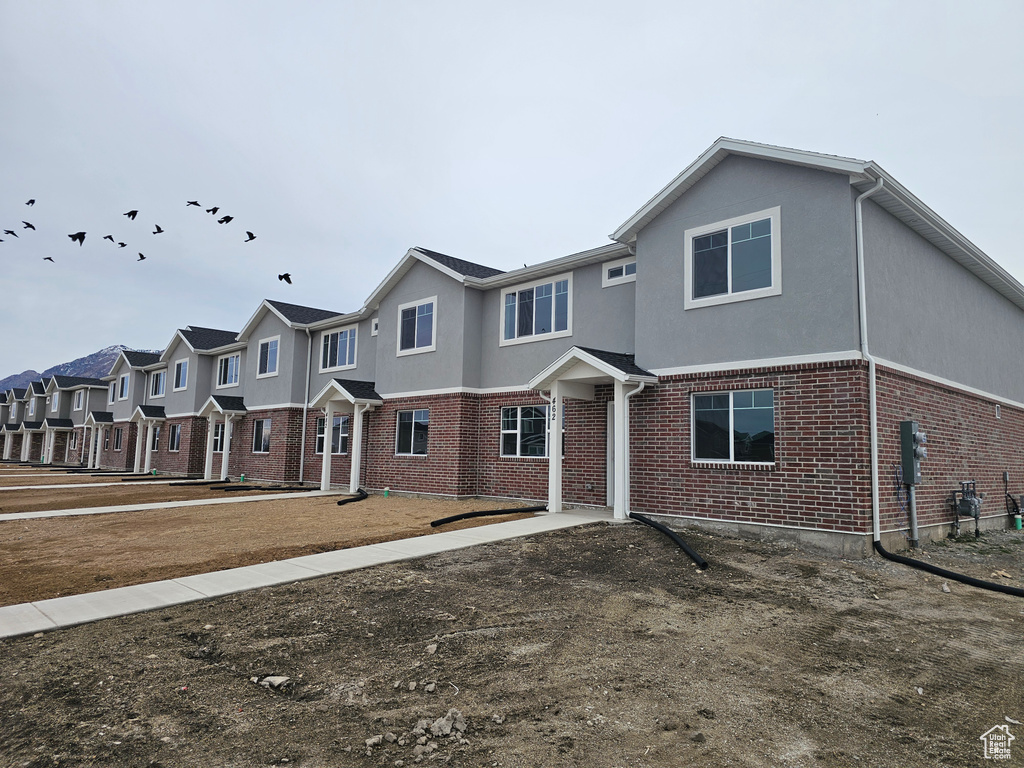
point(1005, 589)
point(360, 495)
point(700, 561)
point(486, 512)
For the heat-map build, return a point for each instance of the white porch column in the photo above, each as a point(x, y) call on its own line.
point(619, 508)
point(97, 434)
point(8, 440)
point(26, 443)
point(149, 446)
point(555, 450)
point(47, 457)
point(67, 446)
point(90, 451)
point(325, 467)
point(226, 446)
point(138, 448)
point(355, 442)
point(211, 425)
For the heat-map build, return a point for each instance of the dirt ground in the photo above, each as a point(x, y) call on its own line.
point(596, 646)
point(54, 556)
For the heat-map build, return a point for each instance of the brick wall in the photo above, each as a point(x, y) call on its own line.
point(125, 458)
point(189, 457)
point(281, 464)
point(340, 463)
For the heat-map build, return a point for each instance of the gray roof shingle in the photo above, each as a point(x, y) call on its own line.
point(302, 315)
point(467, 268)
point(67, 382)
point(360, 390)
point(230, 403)
point(38, 387)
point(102, 417)
point(619, 360)
point(152, 411)
point(141, 359)
point(58, 423)
point(207, 338)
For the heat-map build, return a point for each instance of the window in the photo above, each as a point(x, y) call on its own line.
point(339, 435)
point(416, 322)
point(32, 406)
point(79, 399)
point(112, 396)
point(180, 374)
point(733, 260)
point(374, 326)
point(74, 441)
point(122, 386)
point(106, 439)
point(531, 312)
point(267, 365)
point(338, 349)
point(117, 438)
point(618, 272)
point(174, 437)
point(523, 431)
point(227, 370)
point(55, 402)
point(261, 436)
point(157, 381)
point(156, 438)
point(218, 437)
point(412, 433)
point(734, 426)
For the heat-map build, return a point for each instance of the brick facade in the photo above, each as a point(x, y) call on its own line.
point(109, 457)
point(190, 456)
point(281, 464)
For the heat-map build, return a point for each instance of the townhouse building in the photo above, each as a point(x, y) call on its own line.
point(740, 355)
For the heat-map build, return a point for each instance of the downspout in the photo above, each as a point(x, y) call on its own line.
point(305, 406)
point(625, 474)
point(872, 402)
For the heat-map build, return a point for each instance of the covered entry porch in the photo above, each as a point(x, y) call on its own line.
point(352, 398)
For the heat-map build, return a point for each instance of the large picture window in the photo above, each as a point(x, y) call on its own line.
point(227, 370)
point(416, 326)
point(261, 436)
point(540, 310)
point(339, 435)
point(338, 349)
point(524, 431)
point(734, 426)
point(733, 260)
point(413, 427)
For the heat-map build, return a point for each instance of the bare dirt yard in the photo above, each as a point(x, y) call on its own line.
point(596, 646)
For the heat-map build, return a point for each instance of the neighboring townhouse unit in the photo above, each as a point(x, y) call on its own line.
point(115, 423)
point(67, 403)
point(15, 414)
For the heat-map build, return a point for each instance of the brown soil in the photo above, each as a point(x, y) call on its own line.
point(599, 646)
point(11, 479)
point(53, 556)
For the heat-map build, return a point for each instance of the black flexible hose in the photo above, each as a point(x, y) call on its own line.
point(1004, 588)
point(360, 495)
point(486, 512)
point(700, 561)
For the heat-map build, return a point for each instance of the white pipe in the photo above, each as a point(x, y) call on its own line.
point(872, 403)
point(629, 395)
point(305, 407)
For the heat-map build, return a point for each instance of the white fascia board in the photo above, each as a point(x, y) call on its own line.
point(574, 355)
point(165, 356)
point(116, 363)
point(404, 265)
point(264, 307)
point(573, 261)
point(338, 321)
point(334, 388)
point(235, 346)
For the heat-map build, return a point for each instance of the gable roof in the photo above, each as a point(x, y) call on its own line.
point(226, 404)
point(99, 417)
point(462, 267)
point(598, 364)
point(69, 382)
point(199, 339)
point(863, 175)
point(140, 359)
point(38, 387)
point(352, 390)
point(292, 315)
point(148, 412)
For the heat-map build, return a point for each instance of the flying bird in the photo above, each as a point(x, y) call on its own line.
point(131, 214)
point(224, 219)
point(251, 236)
point(192, 202)
point(79, 236)
point(141, 258)
point(213, 210)
point(121, 245)
point(27, 225)
point(287, 277)
point(10, 232)
point(109, 237)
point(158, 229)
point(31, 202)
point(47, 258)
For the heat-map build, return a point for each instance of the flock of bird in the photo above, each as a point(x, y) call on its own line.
point(79, 237)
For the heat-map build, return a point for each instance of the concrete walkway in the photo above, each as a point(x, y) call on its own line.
point(85, 485)
point(58, 612)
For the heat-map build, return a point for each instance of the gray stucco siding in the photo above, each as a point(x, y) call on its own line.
point(279, 388)
point(366, 357)
point(930, 314)
point(816, 311)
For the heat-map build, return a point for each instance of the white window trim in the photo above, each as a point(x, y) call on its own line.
point(267, 430)
point(118, 439)
point(374, 326)
point(152, 380)
point(79, 401)
point(176, 364)
point(55, 402)
point(170, 435)
point(238, 371)
point(112, 393)
point(317, 436)
point(433, 330)
point(503, 342)
point(320, 347)
point(259, 355)
point(398, 424)
point(127, 388)
point(775, 289)
point(732, 413)
point(609, 281)
point(519, 431)
point(32, 407)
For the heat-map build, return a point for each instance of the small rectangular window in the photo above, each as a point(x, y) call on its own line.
point(74, 441)
point(339, 435)
point(117, 438)
point(261, 436)
point(106, 439)
point(268, 358)
point(734, 426)
point(218, 437)
point(55, 402)
point(180, 375)
point(123, 386)
point(79, 399)
point(174, 437)
point(157, 381)
point(619, 272)
point(227, 370)
point(32, 407)
point(156, 439)
point(416, 330)
point(413, 428)
point(112, 396)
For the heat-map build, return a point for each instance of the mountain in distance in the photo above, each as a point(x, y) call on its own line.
point(96, 366)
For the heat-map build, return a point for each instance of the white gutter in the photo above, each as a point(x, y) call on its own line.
point(629, 484)
point(305, 405)
point(872, 403)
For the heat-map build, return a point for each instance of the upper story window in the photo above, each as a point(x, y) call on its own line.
point(618, 272)
point(267, 365)
point(338, 349)
point(112, 394)
point(79, 401)
point(180, 374)
point(733, 260)
point(157, 383)
point(32, 406)
point(54, 402)
point(227, 370)
point(416, 326)
point(537, 311)
point(734, 426)
point(123, 386)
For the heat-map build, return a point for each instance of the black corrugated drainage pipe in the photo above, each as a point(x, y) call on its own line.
point(700, 561)
point(486, 512)
point(360, 495)
point(947, 574)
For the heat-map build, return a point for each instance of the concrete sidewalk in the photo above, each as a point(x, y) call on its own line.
point(58, 612)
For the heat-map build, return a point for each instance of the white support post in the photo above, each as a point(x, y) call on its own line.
point(8, 442)
point(149, 445)
point(26, 443)
point(226, 448)
point(98, 442)
point(138, 448)
point(325, 465)
point(211, 425)
point(619, 508)
point(555, 450)
point(44, 450)
point(91, 449)
point(355, 441)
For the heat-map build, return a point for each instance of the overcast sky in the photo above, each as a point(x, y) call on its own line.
point(344, 133)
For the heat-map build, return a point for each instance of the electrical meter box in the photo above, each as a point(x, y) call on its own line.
point(912, 450)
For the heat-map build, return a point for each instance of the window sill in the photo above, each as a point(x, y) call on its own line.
point(502, 457)
point(266, 375)
point(503, 342)
point(741, 465)
point(337, 368)
point(226, 386)
point(414, 351)
point(411, 455)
